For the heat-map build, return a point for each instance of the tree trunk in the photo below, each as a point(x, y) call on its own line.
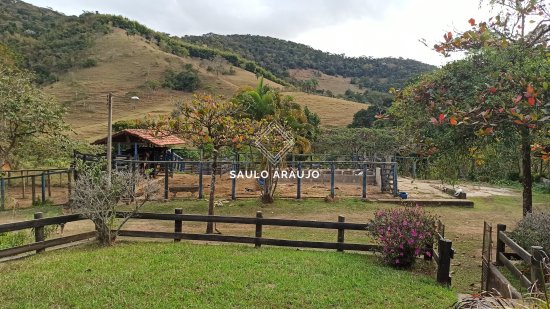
point(210, 225)
point(527, 179)
point(267, 196)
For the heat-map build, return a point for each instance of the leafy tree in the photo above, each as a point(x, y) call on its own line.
point(364, 118)
point(267, 105)
point(25, 111)
point(185, 80)
point(211, 122)
point(500, 91)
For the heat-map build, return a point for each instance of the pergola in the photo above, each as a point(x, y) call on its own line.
point(146, 144)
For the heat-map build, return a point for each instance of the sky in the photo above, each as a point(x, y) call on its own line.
point(377, 28)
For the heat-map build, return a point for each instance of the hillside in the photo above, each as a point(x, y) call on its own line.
point(79, 60)
point(280, 56)
point(126, 63)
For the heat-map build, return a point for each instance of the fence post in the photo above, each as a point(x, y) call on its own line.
point(332, 168)
point(200, 180)
point(364, 193)
point(537, 268)
point(23, 184)
point(2, 194)
point(33, 190)
point(49, 185)
point(500, 244)
point(341, 234)
point(299, 182)
point(69, 189)
point(166, 174)
point(258, 241)
point(414, 169)
point(43, 185)
point(39, 234)
point(234, 183)
point(178, 224)
point(444, 266)
point(394, 178)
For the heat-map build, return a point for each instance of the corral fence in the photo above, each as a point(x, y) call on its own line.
point(34, 187)
point(442, 254)
point(383, 175)
point(512, 259)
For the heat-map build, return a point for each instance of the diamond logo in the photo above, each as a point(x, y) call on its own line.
point(274, 142)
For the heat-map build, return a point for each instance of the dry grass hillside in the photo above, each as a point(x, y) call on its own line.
point(125, 64)
point(336, 84)
point(333, 112)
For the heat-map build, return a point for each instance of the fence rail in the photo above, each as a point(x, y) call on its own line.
point(29, 180)
point(493, 279)
point(442, 256)
point(40, 243)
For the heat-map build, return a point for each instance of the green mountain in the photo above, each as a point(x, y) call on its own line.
point(279, 56)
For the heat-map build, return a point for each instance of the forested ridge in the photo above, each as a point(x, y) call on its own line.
point(279, 55)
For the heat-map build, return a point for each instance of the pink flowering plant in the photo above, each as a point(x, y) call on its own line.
point(404, 234)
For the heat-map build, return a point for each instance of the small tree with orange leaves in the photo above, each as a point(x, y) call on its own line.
point(210, 122)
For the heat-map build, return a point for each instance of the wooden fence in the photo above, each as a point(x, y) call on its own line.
point(388, 170)
point(24, 180)
point(40, 243)
point(493, 279)
point(442, 255)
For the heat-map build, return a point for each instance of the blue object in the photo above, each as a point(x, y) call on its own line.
point(261, 182)
point(403, 195)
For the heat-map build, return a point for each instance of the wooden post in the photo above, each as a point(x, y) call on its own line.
point(258, 241)
point(414, 169)
point(200, 180)
point(2, 194)
point(39, 234)
point(500, 244)
point(364, 193)
point(178, 224)
point(49, 185)
point(23, 184)
point(341, 234)
point(166, 165)
point(332, 168)
point(444, 266)
point(33, 190)
point(299, 182)
point(43, 187)
point(69, 188)
point(234, 183)
point(394, 178)
point(537, 267)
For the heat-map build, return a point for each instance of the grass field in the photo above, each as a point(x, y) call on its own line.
point(463, 225)
point(336, 84)
point(168, 275)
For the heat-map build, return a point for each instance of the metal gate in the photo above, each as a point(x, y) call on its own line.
point(486, 255)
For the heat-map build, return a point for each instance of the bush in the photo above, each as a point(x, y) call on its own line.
point(404, 234)
point(533, 230)
point(13, 239)
point(186, 80)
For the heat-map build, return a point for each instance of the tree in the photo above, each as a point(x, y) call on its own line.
point(25, 111)
point(214, 123)
point(500, 91)
point(267, 105)
point(97, 196)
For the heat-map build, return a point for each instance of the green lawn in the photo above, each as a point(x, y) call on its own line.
point(184, 275)
point(463, 225)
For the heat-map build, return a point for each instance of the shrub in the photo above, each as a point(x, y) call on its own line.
point(13, 239)
point(533, 230)
point(186, 80)
point(404, 234)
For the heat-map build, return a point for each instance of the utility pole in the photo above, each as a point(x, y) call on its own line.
point(109, 136)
